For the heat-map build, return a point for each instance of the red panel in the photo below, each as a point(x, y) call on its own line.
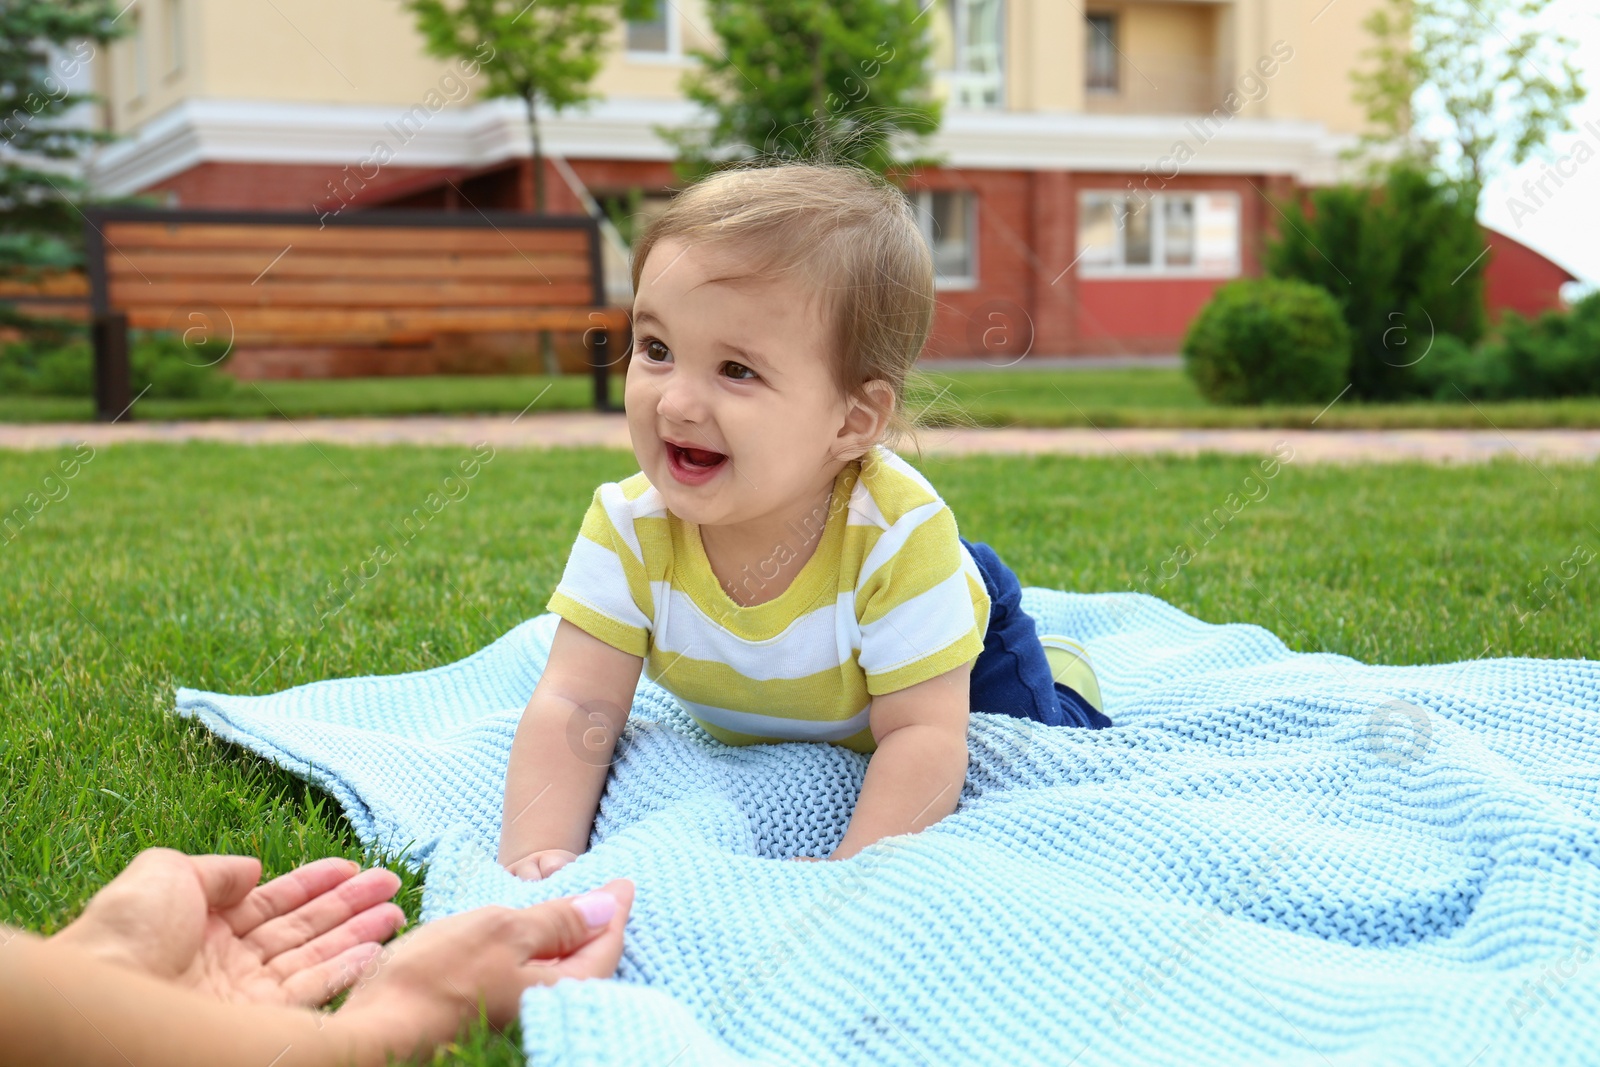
point(1148, 315)
point(1519, 279)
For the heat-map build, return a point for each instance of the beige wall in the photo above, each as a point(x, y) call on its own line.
point(1168, 55)
point(368, 52)
point(1326, 51)
point(158, 28)
point(291, 51)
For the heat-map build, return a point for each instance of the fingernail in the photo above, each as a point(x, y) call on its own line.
point(597, 908)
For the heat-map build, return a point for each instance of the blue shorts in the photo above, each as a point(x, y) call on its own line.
point(1011, 676)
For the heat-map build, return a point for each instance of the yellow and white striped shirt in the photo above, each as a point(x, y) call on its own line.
point(889, 598)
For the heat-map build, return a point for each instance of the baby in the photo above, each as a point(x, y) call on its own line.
point(773, 564)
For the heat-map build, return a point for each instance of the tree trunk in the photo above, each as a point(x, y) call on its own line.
point(819, 97)
point(538, 153)
point(547, 347)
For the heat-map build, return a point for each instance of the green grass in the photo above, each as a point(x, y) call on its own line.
point(199, 564)
point(1165, 397)
point(1160, 397)
point(326, 398)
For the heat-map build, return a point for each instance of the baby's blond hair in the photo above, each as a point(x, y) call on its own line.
point(850, 234)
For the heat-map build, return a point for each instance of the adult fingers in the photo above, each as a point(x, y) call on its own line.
point(599, 957)
point(289, 891)
point(323, 912)
point(376, 925)
point(226, 880)
point(315, 986)
point(558, 929)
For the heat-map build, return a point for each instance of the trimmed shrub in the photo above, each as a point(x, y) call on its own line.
point(1404, 260)
point(159, 361)
point(1265, 340)
point(1554, 355)
point(1453, 369)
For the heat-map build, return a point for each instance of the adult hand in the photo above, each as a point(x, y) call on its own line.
point(536, 866)
point(202, 922)
point(426, 986)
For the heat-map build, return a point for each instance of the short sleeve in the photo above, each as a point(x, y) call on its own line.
point(921, 604)
point(604, 590)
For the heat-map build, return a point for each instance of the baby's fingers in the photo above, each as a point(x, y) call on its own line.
point(553, 860)
point(527, 869)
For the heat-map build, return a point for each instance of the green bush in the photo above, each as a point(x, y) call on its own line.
point(1404, 260)
point(1554, 355)
point(159, 361)
point(1453, 369)
point(1266, 339)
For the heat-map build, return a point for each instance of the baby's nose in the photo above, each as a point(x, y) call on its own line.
point(682, 400)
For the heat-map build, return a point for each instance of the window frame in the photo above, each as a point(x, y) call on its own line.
point(1115, 19)
point(959, 12)
point(139, 47)
point(1156, 205)
point(172, 16)
point(922, 202)
point(673, 54)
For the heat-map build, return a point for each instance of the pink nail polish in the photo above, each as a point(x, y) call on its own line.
point(597, 907)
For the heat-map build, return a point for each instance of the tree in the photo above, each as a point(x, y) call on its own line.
point(809, 79)
point(44, 44)
point(1405, 262)
point(1467, 86)
point(543, 51)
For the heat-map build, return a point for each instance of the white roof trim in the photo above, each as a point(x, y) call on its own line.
point(476, 135)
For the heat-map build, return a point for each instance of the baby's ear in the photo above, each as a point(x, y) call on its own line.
point(866, 419)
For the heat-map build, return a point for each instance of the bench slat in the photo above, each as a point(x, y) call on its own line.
point(132, 237)
point(65, 284)
point(131, 293)
point(169, 264)
point(331, 326)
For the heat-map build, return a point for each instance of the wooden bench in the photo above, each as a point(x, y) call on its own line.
point(359, 278)
point(52, 294)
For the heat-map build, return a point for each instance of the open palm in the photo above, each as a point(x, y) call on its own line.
point(203, 922)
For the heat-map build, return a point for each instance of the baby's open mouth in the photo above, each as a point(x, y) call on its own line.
point(696, 458)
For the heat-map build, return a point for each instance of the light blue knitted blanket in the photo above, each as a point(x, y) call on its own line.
point(1272, 857)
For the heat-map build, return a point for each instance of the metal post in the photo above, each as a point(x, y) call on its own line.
point(113, 390)
point(599, 368)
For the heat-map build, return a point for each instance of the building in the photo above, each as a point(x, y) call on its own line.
point(1108, 165)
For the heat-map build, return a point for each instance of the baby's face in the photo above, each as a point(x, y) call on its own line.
point(730, 396)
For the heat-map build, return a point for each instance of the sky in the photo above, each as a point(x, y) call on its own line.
point(1565, 222)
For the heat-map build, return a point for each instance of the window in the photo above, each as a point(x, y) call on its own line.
point(655, 33)
point(1158, 234)
point(1102, 59)
point(969, 51)
point(949, 224)
point(174, 24)
point(141, 56)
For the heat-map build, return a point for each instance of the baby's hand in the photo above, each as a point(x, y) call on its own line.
point(540, 865)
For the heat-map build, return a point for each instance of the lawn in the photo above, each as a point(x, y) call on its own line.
point(1161, 397)
point(208, 566)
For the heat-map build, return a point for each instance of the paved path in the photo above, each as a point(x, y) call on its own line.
point(582, 428)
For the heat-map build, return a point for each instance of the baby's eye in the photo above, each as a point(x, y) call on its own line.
point(739, 372)
point(648, 345)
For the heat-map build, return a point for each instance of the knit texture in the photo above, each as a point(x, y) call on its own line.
point(1272, 857)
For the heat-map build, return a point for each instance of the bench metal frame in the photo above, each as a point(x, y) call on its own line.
point(109, 327)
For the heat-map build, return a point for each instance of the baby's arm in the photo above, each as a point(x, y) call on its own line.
point(563, 749)
point(915, 776)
